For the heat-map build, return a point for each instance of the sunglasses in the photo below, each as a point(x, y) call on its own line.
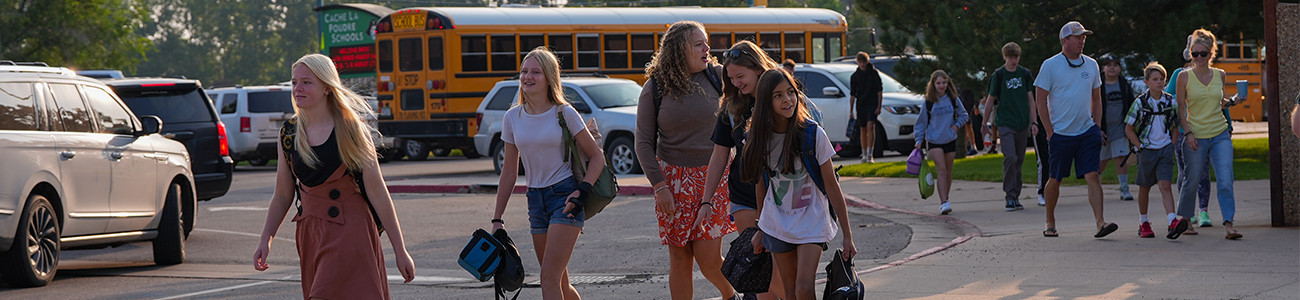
point(733, 54)
point(1201, 54)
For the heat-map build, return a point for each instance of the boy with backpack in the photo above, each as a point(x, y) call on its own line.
point(1151, 122)
point(1010, 88)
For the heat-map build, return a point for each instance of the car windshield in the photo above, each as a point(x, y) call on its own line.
point(887, 84)
point(172, 106)
point(272, 101)
point(614, 94)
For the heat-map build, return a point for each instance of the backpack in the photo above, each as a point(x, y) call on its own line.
point(842, 282)
point(746, 271)
point(708, 72)
point(287, 145)
point(807, 152)
point(1146, 114)
point(510, 274)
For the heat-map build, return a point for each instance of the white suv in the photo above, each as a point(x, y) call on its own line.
point(82, 171)
point(828, 86)
point(612, 102)
point(253, 115)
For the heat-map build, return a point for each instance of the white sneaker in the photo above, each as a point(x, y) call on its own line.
point(1042, 201)
point(945, 208)
point(866, 158)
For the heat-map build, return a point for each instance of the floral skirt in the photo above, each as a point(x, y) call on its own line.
point(687, 186)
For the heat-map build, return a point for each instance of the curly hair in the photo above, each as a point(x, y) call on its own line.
point(669, 63)
point(751, 57)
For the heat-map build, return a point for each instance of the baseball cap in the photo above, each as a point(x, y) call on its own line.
point(1073, 28)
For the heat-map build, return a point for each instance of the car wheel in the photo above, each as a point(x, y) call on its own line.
point(882, 142)
point(258, 161)
point(169, 247)
point(470, 153)
point(622, 156)
point(33, 258)
point(498, 155)
point(415, 150)
point(441, 152)
point(382, 155)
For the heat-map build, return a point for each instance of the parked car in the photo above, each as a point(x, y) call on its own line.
point(82, 171)
point(827, 85)
point(190, 118)
point(612, 102)
point(259, 111)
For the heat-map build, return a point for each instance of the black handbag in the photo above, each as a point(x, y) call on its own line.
point(842, 282)
point(747, 272)
point(853, 131)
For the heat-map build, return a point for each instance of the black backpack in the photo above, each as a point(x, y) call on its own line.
point(510, 274)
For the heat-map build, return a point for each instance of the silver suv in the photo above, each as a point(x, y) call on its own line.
point(828, 86)
point(81, 171)
point(253, 115)
point(612, 102)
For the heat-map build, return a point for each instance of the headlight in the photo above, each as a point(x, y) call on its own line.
point(903, 109)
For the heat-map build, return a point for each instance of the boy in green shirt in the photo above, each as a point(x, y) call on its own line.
point(1010, 88)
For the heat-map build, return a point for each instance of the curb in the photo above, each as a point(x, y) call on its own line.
point(490, 188)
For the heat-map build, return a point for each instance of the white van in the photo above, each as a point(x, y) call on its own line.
point(253, 115)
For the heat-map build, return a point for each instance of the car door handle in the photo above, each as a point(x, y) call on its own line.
point(68, 153)
point(115, 155)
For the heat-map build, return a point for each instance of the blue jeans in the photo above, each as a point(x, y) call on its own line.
point(546, 206)
point(1202, 187)
point(1216, 151)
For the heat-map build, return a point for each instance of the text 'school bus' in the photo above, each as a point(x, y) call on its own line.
point(435, 65)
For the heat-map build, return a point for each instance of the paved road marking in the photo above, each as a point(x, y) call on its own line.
point(224, 289)
point(240, 233)
point(239, 208)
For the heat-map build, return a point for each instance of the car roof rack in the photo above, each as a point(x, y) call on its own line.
point(24, 63)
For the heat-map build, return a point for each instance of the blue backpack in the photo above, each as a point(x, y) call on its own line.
point(482, 256)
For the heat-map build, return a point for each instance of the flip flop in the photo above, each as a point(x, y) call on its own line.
point(1050, 232)
point(1106, 230)
point(1234, 235)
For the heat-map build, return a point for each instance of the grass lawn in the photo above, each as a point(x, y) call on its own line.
point(1250, 162)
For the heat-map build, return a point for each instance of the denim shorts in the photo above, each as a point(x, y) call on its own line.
point(775, 245)
point(1083, 151)
point(737, 207)
point(546, 206)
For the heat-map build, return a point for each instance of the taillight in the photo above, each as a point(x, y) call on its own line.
point(245, 124)
point(221, 139)
point(478, 118)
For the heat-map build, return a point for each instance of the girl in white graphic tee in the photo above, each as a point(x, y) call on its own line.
point(794, 215)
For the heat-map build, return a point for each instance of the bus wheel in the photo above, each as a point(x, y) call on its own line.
point(470, 153)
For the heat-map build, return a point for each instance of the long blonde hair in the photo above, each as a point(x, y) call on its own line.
point(751, 57)
point(932, 95)
point(355, 139)
point(550, 70)
point(669, 63)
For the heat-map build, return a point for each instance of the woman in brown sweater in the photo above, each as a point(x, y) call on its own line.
point(674, 125)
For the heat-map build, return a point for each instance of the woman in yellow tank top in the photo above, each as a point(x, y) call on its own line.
point(1207, 140)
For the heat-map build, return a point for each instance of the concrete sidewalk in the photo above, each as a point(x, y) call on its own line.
point(981, 251)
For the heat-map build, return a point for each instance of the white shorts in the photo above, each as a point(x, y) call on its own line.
point(1114, 149)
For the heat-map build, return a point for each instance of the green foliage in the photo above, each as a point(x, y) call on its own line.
point(81, 34)
point(966, 36)
point(229, 41)
point(1250, 162)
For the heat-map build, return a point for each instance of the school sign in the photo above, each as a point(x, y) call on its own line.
point(347, 36)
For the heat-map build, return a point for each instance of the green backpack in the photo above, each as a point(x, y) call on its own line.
point(606, 187)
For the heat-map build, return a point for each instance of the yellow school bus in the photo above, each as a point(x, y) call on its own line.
point(435, 65)
point(1243, 61)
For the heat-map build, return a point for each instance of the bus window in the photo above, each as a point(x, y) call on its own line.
point(562, 45)
point(719, 42)
point(794, 46)
point(588, 51)
point(504, 54)
point(413, 99)
point(749, 36)
point(529, 42)
point(643, 49)
point(771, 43)
point(386, 56)
point(818, 47)
point(833, 45)
point(410, 57)
point(473, 53)
point(616, 51)
point(435, 54)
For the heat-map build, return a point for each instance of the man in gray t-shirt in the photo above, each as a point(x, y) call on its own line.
point(1069, 92)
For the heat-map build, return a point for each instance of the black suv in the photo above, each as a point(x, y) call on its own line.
point(190, 119)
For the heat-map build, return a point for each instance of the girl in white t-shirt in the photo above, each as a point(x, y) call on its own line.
point(555, 197)
point(794, 215)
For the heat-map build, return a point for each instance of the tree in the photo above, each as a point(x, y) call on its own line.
point(85, 34)
point(966, 36)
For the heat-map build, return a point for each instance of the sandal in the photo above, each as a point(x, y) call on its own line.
point(1106, 230)
point(1050, 232)
point(1232, 233)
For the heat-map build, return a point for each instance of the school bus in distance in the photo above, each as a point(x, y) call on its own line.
point(1243, 61)
point(436, 64)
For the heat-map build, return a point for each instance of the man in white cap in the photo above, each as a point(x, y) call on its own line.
point(1069, 96)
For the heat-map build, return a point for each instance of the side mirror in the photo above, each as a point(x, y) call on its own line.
point(151, 125)
point(832, 91)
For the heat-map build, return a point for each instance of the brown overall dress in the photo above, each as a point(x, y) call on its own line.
point(338, 243)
